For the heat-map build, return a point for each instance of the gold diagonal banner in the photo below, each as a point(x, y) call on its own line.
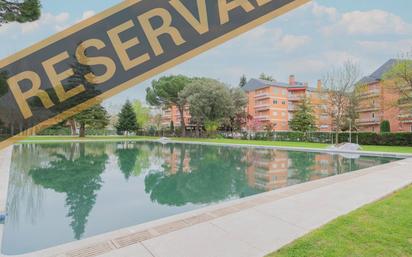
point(115, 50)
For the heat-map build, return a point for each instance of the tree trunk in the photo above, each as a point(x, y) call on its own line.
point(182, 121)
point(82, 130)
point(72, 125)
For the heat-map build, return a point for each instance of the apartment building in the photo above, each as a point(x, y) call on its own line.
point(173, 114)
point(275, 103)
point(378, 101)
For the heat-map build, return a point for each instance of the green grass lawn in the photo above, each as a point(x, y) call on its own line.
point(381, 229)
point(390, 149)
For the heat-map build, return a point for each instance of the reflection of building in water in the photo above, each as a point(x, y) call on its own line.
point(177, 159)
point(267, 169)
point(270, 169)
point(324, 166)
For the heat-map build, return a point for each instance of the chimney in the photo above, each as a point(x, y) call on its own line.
point(292, 80)
point(319, 87)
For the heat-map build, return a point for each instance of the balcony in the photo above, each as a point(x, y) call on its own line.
point(262, 96)
point(294, 97)
point(262, 107)
point(292, 108)
point(369, 121)
point(262, 117)
point(368, 108)
point(370, 93)
point(405, 118)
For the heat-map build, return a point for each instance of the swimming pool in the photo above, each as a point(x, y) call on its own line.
point(63, 192)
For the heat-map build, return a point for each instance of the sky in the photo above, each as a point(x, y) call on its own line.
point(306, 42)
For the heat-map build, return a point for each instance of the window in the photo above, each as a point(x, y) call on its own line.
point(284, 92)
point(283, 102)
point(373, 115)
point(283, 114)
point(275, 113)
point(275, 101)
point(275, 90)
point(373, 129)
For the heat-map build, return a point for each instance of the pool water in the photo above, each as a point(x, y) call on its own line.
point(69, 191)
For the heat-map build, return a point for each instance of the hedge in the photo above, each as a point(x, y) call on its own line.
point(362, 138)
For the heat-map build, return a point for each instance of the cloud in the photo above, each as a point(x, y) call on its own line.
point(292, 42)
point(86, 15)
point(321, 11)
point(372, 22)
point(318, 64)
point(392, 46)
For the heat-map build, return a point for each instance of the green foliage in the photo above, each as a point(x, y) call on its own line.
point(209, 180)
point(401, 76)
point(166, 92)
point(3, 83)
point(385, 126)
point(142, 114)
point(26, 11)
point(304, 120)
point(127, 119)
point(209, 100)
point(127, 155)
point(263, 76)
point(243, 81)
point(77, 177)
point(95, 117)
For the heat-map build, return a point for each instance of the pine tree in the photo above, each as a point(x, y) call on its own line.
point(95, 117)
point(303, 120)
point(243, 81)
point(20, 11)
point(127, 119)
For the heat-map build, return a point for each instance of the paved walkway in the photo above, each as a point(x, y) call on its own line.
point(249, 227)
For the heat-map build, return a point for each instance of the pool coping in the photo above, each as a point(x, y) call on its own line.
point(138, 234)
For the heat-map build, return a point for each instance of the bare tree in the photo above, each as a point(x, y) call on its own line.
point(340, 83)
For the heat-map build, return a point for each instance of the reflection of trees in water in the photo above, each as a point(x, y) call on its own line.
point(22, 190)
point(302, 165)
point(127, 153)
point(216, 173)
point(78, 175)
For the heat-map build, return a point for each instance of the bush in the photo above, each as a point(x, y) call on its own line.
point(385, 126)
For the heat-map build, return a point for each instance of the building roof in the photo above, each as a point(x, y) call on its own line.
point(377, 75)
point(255, 84)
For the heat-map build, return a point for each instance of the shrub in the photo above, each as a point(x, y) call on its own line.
point(385, 126)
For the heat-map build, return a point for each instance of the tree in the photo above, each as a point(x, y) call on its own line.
point(142, 114)
point(3, 83)
point(237, 115)
point(340, 83)
point(401, 77)
point(95, 117)
point(385, 126)
point(304, 120)
point(127, 119)
point(243, 81)
point(263, 76)
point(26, 11)
point(165, 93)
point(209, 101)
